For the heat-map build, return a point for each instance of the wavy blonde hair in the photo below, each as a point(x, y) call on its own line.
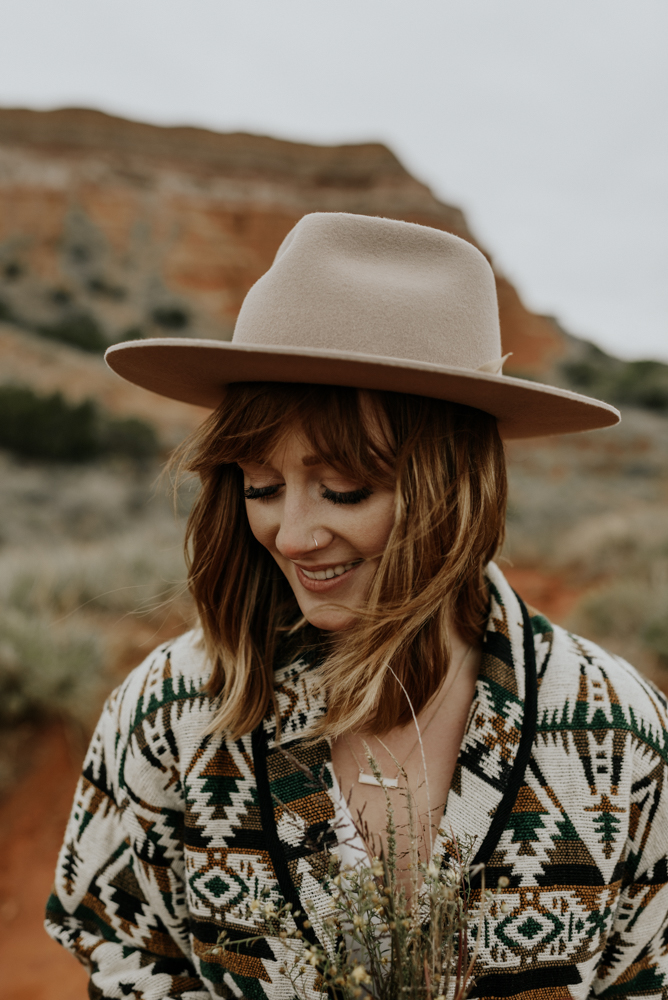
point(447, 465)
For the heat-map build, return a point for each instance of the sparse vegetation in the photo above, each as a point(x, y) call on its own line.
point(625, 557)
point(80, 331)
point(624, 383)
point(136, 572)
point(170, 317)
point(591, 510)
point(49, 427)
point(60, 608)
point(106, 289)
point(48, 669)
point(12, 270)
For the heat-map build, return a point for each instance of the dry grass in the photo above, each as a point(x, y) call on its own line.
point(88, 553)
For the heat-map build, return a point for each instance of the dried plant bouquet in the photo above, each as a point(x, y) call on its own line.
point(378, 940)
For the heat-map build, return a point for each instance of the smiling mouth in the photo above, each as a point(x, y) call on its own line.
point(331, 571)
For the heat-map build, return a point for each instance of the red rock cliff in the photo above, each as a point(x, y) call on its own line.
point(165, 229)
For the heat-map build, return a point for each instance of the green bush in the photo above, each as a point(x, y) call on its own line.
point(624, 383)
point(130, 437)
point(171, 317)
point(80, 331)
point(643, 383)
point(49, 427)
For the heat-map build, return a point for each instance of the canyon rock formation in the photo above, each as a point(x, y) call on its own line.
point(121, 229)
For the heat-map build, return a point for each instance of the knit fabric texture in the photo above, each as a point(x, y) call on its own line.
point(561, 776)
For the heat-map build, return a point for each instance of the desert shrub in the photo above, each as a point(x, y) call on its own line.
point(12, 270)
point(106, 289)
point(50, 427)
point(170, 317)
point(138, 572)
point(624, 383)
point(129, 436)
point(46, 669)
point(6, 314)
point(643, 383)
point(47, 426)
point(61, 610)
point(621, 545)
point(61, 296)
point(629, 616)
point(80, 331)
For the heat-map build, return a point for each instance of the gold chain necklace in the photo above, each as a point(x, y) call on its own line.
point(371, 779)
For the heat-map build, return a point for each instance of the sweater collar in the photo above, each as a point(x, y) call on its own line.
point(294, 779)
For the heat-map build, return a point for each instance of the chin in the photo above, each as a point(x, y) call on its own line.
point(327, 619)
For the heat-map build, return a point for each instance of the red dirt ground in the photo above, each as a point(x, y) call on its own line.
point(32, 821)
point(33, 818)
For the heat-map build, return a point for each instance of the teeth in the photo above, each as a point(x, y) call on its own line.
point(329, 574)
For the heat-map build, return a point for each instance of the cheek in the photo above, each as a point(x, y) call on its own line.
point(378, 525)
point(260, 522)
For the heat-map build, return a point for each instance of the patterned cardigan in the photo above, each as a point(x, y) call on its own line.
point(561, 776)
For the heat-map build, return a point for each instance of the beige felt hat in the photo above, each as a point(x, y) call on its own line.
point(371, 303)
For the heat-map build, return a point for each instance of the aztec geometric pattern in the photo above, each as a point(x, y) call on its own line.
point(561, 776)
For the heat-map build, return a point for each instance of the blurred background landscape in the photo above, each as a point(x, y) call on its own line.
point(114, 229)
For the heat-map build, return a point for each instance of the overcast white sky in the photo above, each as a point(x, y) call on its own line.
point(547, 122)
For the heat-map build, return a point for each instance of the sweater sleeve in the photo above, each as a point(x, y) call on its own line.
point(634, 962)
point(118, 902)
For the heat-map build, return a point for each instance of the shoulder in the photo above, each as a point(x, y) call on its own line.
point(164, 699)
point(582, 685)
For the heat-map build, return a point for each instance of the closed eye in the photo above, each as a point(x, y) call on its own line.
point(334, 496)
point(354, 496)
point(261, 492)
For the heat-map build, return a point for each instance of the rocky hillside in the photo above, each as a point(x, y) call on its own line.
point(112, 229)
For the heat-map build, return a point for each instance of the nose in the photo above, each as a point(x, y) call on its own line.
point(296, 536)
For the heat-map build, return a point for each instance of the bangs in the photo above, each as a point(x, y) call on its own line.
point(348, 429)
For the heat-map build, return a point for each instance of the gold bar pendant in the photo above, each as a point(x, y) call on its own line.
point(371, 779)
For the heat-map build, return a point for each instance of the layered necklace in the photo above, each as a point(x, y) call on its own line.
point(371, 779)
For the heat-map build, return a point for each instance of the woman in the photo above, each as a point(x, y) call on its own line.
point(353, 497)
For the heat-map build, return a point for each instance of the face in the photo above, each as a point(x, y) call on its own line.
point(294, 501)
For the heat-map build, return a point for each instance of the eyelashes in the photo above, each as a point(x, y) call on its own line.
point(263, 493)
point(352, 497)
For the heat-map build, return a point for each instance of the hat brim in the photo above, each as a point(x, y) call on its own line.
point(198, 371)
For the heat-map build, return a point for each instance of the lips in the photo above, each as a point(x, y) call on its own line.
point(326, 578)
point(330, 572)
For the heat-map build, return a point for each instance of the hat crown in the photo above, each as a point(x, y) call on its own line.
point(372, 286)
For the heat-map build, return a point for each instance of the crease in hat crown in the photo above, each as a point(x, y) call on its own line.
point(376, 287)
